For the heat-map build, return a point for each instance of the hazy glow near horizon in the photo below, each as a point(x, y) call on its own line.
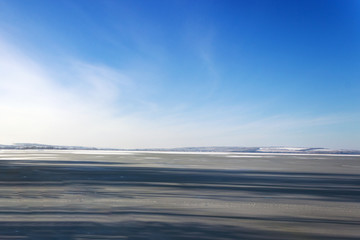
point(133, 74)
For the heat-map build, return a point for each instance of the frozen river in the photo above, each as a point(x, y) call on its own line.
point(154, 195)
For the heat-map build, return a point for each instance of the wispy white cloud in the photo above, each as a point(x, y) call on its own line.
point(35, 106)
point(91, 104)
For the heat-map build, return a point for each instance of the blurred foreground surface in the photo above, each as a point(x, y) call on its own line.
point(149, 195)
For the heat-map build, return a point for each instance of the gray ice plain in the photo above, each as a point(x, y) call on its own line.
point(157, 195)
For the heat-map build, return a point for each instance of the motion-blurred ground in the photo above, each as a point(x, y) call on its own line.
point(149, 195)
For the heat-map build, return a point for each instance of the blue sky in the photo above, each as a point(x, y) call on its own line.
point(180, 73)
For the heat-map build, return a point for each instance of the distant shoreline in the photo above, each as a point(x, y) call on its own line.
point(235, 150)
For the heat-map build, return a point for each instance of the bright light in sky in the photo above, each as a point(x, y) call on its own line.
point(133, 74)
